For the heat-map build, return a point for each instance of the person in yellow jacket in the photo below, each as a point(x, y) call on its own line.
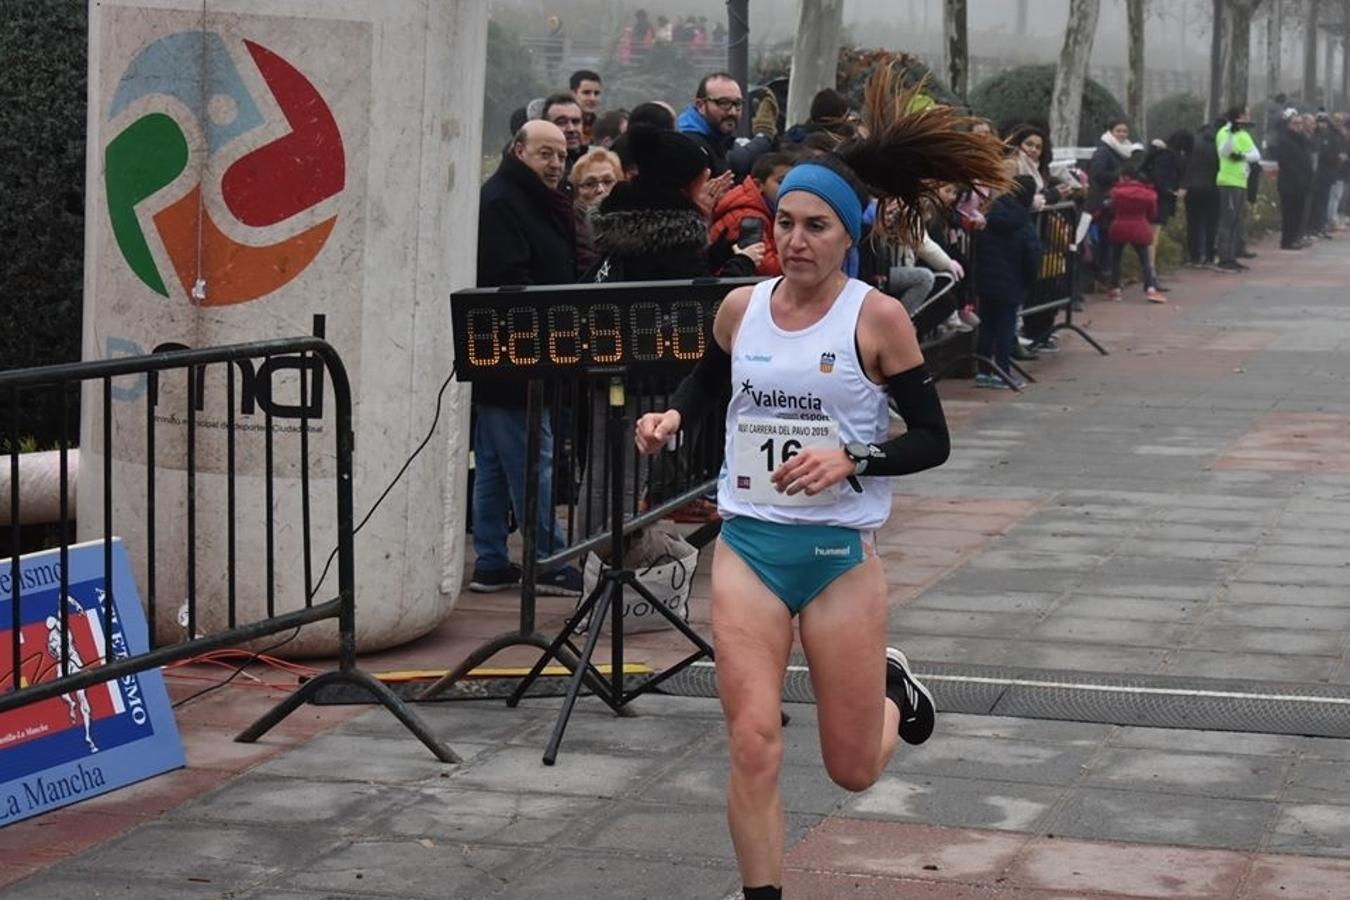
point(1237, 153)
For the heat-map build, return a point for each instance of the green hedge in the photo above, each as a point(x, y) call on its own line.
point(42, 134)
point(1174, 113)
point(857, 66)
point(1023, 95)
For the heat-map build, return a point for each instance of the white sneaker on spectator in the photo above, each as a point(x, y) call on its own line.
point(968, 316)
point(956, 323)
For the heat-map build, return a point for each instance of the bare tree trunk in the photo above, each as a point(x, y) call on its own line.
point(1310, 53)
point(1216, 66)
point(1238, 53)
point(956, 47)
point(1274, 46)
point(815, 54)
point(1328, 54)
point(1066, 99)
point(738, 53)
point(1345, 52)
point(1134, 90)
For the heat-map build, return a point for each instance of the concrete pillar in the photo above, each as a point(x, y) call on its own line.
point(273, 168)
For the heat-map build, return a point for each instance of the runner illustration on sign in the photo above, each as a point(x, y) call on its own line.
point(75, 666)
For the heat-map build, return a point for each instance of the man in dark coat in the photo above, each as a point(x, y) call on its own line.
point(1294, 156)
point(1326, 142)
point(1202, 198)
point(525, 236)
point(525, 227)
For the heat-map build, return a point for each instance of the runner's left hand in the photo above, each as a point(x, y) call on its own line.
point(813, 471)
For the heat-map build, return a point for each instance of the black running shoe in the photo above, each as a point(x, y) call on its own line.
point(488, 581)
point(917, 712)
point(564, 582)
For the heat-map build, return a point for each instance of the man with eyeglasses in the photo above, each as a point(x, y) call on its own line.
point(526, 235)
point(713, 117)
point(564, 111)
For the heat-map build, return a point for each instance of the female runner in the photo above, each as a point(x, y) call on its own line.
point(812, 358)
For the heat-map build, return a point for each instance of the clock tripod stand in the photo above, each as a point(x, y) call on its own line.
point(607, 600)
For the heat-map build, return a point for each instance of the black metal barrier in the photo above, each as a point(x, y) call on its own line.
point(268, 380)
point(1057, 287)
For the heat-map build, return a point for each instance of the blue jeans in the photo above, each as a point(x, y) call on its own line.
point(499, 484)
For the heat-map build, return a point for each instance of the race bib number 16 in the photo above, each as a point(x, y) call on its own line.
point(764, 444)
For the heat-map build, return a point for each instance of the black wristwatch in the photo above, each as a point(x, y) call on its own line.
point(861, 454)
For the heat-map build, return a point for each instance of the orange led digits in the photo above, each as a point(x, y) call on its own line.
point(606, 333)
point(687, 341)
point(527, 333)
point(484, 347)
point(519, 333)
point(644, 328)
point(564, 346)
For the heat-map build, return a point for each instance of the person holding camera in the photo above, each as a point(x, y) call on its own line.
point(740, 220)
point(1237, 153)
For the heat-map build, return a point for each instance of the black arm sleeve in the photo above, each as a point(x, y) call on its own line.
point(926, 443)
point(698, 393)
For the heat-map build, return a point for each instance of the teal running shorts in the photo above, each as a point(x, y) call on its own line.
point(796, 562)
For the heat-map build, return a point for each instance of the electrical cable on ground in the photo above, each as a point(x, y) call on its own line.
point(261, 654)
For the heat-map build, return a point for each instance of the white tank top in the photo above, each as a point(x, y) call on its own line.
point(797, 389)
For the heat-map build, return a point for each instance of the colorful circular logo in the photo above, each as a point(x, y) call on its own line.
point(193, 73)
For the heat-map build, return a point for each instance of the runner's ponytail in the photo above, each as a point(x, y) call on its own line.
point(909, 150)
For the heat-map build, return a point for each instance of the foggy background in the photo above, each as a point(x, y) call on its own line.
point(534, 44)
point(1176, 37)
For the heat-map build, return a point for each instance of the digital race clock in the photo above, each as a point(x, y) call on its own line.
point(530, 332)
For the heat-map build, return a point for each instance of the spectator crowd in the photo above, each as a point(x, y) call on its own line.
point(588, 194)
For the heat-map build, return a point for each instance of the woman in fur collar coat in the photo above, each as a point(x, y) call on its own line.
point(650, 228)
point(1113, 148)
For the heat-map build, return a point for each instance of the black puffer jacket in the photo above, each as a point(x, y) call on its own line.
point(646, 232)
point(1007, 253)
point(1329, 145)
point(1203, 170)
point(1293, 153)
point(1103, 172)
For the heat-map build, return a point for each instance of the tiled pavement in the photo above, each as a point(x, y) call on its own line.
point(1175, 508)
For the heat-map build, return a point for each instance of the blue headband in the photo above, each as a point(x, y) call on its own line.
point(829, 186)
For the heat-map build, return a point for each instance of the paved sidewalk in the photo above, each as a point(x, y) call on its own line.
point(1176, 509)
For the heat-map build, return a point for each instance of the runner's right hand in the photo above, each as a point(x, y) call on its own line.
point(654, 430)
